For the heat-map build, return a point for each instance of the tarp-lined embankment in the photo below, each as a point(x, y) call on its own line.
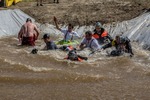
point(137, 29)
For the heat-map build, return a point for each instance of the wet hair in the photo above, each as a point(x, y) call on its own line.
point(28, 19)
point(88, 33)
point(45, 36)
point(34, 51)
point(70, 25)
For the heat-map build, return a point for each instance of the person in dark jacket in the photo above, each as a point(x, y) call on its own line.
point(122, 44)
point(73, 56)
point(50, 45)
point(101, 34)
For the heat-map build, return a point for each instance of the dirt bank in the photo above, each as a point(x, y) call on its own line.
point(84, 12)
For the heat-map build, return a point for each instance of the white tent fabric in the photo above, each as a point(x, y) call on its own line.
point(11, 21)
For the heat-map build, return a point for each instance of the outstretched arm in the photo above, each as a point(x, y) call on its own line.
point(56, 23)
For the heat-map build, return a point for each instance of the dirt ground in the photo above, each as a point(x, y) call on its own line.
point(84, 12)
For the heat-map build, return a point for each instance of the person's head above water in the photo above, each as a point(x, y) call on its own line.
point(70, 27)
point(72, 55)
point(98, 26)
point(28, 20)
point(88, 35)
point(46, 37)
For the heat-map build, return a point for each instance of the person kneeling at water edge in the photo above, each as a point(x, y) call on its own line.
point(68, 33)
point(73, 56)
point(89, 42)
point(50, 45)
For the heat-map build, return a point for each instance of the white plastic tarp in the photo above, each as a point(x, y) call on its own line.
point(11, 21)
point(137, 29)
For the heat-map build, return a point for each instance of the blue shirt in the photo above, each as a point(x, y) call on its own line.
point(51, 45)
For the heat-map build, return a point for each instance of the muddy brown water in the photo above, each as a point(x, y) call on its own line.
point(47, 76)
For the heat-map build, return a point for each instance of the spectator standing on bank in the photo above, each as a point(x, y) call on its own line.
point(39, 2)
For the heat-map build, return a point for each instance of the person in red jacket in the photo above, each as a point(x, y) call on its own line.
point(101, 34)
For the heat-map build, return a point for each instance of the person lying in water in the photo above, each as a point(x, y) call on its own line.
point(73, 56)
point(50, 45)
point(122, 44)
point(68, 33)
point(89, 42)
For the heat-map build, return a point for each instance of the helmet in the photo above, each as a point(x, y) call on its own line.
point(98, 24)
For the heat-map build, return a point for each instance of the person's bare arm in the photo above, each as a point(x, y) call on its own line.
point(56, 23)
point(37, 31)
point(81, 46)
point(20, 33)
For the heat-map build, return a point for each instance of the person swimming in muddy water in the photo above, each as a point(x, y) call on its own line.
point(73, 56)
point(50, 45)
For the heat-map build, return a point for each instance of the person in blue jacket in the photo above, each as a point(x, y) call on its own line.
point(50, 45)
